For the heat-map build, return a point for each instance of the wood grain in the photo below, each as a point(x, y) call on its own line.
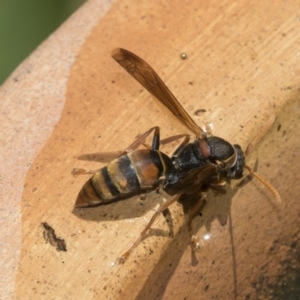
point(242, 67)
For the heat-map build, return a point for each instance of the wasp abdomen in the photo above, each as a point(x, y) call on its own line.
point(128, 174)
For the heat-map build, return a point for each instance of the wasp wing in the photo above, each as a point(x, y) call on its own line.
point(197, 180)
point(148, 78)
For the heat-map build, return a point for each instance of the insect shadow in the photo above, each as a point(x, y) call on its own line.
point(121, 209)
point(216, 208)
point(104, 157)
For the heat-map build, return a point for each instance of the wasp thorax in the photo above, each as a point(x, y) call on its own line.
point(221, 152)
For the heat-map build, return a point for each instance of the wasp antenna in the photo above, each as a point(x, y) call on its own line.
point(266, 183)
point(260, 134)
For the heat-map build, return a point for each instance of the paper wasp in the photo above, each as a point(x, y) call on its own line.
point(193, 168)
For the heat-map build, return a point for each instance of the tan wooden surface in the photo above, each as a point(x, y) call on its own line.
point(70, 98)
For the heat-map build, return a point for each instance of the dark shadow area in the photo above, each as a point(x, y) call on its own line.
point(126, 208)
point(104, 157)
point(215, 208)
point(287, 284)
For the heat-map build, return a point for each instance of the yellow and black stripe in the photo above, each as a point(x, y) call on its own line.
point(128, 174)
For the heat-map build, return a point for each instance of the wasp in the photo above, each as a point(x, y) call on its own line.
point(194, 167)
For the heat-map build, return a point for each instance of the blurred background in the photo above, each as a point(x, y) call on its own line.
point(25, 24)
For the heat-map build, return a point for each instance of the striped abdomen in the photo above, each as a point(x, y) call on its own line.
point(128, 174)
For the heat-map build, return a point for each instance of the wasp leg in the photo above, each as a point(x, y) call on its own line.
point(217, 183)
point(166, 213)
point(164, 206)
point(168, 217)
point(80, 171)
point(141, 139)
point(146, 145)
point(195, 245)
point(174, 138)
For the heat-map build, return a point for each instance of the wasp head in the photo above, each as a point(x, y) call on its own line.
point(237, 170)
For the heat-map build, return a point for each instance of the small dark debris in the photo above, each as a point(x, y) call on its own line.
point(51, 238)
point(199, 112)
point(278, 127)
